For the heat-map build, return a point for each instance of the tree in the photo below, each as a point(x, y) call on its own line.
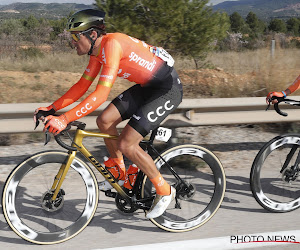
point(11, 27)
point(58, 27)
point(183, 26)
point(122, 16)
point(256, 25)
point(31, 22)
point(200, 30)
point(278, 26)
point(237, 23)
point(293, 25)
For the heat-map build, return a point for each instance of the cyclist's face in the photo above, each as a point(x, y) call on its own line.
point(82, 45)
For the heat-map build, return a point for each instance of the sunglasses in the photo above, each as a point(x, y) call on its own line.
point(76, 36)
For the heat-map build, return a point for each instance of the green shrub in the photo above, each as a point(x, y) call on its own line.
point(30, 52)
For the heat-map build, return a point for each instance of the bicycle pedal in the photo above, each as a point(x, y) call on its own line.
point(109, 193)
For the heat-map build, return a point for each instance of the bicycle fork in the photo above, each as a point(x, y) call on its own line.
point(59, 178)
point(291, 174)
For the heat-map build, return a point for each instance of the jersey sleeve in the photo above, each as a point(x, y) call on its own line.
point(111, 56)
point(295, 86)
point(88, 105)
point(78, 89)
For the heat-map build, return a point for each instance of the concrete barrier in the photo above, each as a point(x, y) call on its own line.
point(17, 118)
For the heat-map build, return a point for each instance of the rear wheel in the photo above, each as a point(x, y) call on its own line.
point(198, 195)
point(27, 204)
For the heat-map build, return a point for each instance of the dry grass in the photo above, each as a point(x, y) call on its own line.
point(67, 62)
point(269, 74)
point(272, 73)
point(258, 60)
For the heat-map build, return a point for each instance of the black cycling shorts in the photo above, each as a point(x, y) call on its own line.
point(148, 105)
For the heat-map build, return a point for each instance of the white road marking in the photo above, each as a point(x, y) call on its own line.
point(226, 242)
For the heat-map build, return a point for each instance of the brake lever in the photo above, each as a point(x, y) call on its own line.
point(47, 133)
point(37, 122)
point(47, 137)
point(269, 104)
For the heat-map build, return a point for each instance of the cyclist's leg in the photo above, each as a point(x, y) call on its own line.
point(120, 109)
point(107, 123)
point(158, 103)
point(129, 145)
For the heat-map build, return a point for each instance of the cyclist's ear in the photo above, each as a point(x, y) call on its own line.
point(94, 35)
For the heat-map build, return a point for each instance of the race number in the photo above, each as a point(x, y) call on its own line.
point(163, 54)
point(163, 134)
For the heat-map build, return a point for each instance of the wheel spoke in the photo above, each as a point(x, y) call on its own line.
point(31, 212)
point(274, 180)
point(201, 172)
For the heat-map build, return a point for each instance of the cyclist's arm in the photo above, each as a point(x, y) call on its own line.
point(108, 74)
point(292, 88)
point(295, 86)
point(78, 89)
point(93, 101)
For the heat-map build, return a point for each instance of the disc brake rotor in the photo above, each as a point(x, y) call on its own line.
point(52, 206)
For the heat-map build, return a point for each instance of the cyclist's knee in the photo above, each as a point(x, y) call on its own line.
point(126, 147)
point(123, 146)
point(103, 121)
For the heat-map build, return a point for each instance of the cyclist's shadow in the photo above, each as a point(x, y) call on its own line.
point(114, 221)
point(237, 189)
point(5, 228)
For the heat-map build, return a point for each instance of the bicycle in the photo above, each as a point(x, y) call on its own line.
point(274, 174)
point(64, 197)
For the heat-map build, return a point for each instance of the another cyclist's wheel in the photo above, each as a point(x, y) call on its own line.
point(200, 191)
point(274, 176)
point(27, 194)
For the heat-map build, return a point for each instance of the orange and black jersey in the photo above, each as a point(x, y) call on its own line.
point(127, 57)
point(119, 55)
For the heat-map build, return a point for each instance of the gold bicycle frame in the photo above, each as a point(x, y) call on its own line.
point(77, 143)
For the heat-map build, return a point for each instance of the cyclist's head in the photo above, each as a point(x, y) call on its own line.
point(84, 22)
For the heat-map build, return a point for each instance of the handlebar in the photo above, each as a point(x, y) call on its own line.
point(280, 100)
point(78, 124)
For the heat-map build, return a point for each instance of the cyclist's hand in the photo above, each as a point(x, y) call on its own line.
point(55, 124)
point(277, 94)
point(43, 112)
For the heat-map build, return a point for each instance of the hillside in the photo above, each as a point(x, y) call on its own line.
point(264, 9)
point(51, 10)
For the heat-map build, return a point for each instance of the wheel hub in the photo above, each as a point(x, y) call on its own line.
point(52, 206)
point(186, 191)
point(290, 174)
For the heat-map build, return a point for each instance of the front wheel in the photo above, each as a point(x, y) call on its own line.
point(27, 204)
point(200, 191)
point(274, 176)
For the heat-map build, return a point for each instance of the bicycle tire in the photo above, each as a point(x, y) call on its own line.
point(271, 189)
point(26, 192)
point(200, 168)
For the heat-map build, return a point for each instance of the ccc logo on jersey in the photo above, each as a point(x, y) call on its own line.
point(160, 111)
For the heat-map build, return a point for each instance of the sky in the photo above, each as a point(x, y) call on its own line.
point(4, 2)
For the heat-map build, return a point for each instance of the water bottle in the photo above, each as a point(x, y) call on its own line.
point(113, 168)
point(131, 176)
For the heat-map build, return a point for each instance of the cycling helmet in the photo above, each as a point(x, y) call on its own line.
point(86, 19)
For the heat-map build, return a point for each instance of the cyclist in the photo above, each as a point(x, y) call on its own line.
point(157, 92)
point(291, 89)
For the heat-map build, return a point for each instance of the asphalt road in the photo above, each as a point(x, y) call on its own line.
point(239, 215)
